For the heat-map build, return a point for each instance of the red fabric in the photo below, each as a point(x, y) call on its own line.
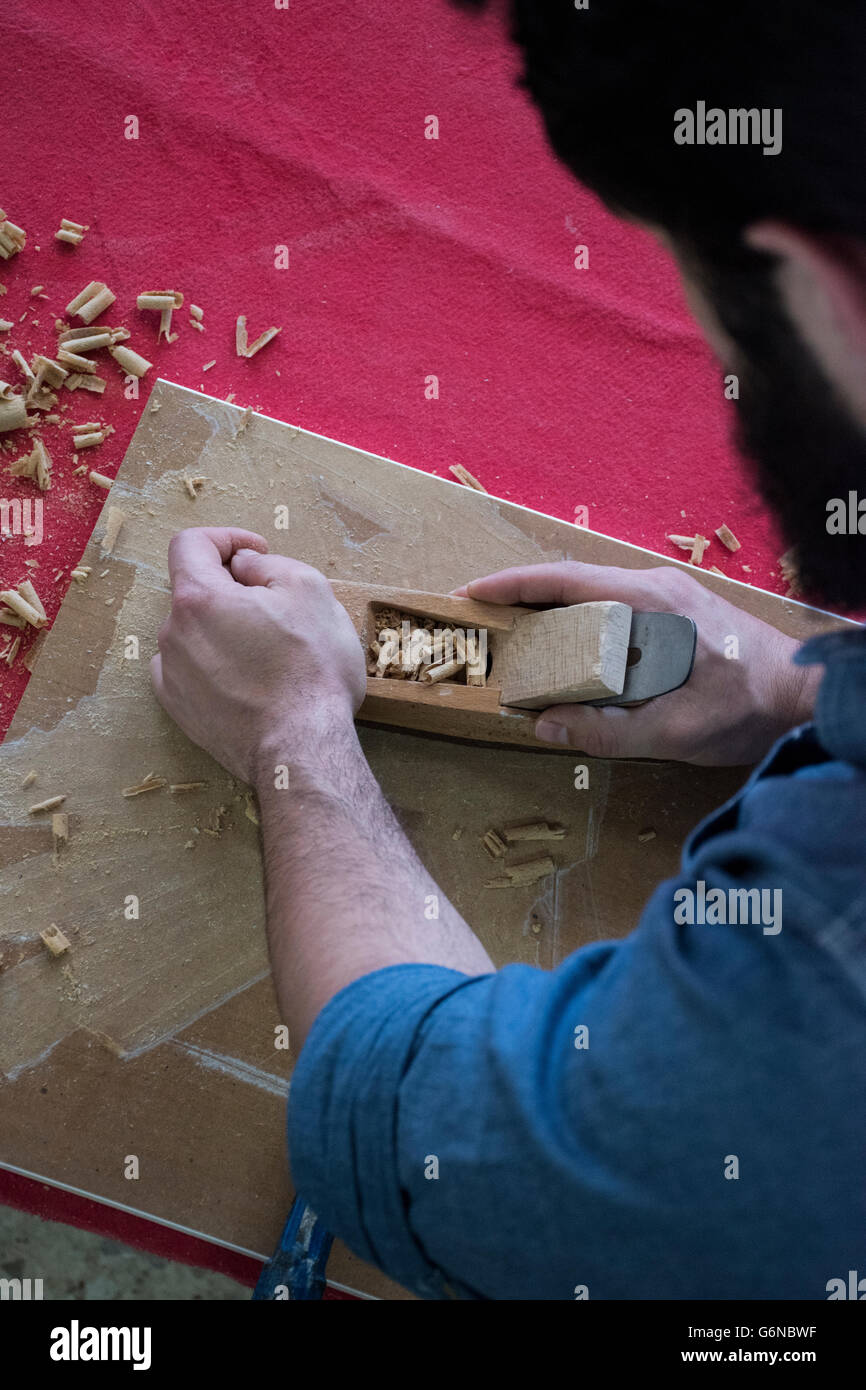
point(409, 257)
point(53, 1204)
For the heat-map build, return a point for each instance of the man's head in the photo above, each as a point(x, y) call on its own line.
point(772, 244)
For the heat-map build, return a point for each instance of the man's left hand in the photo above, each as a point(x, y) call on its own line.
point(257, 659)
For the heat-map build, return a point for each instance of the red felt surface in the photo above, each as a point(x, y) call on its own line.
point(304, 127)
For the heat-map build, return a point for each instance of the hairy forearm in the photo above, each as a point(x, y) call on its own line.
point(346, 893)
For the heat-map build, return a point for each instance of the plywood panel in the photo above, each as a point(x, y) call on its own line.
point(155, 1035)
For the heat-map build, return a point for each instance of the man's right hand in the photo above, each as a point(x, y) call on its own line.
point(730, 711)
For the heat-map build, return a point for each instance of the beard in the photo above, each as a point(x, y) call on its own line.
point(799, 435)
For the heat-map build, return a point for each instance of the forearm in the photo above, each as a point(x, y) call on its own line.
point(346, 893)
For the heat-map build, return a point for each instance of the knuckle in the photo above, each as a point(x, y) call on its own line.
point(314, 581)
point(188, 598)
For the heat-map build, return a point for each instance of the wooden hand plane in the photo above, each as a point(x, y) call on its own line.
point(494, 666)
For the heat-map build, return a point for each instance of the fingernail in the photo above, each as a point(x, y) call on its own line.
point(549, 732)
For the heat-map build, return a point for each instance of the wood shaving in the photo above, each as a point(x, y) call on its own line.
point(24, 366)
point(701, 544)
point(45, 369)
point(84, 366)
point(150, 783)
point(164, 302)
point(131, 362)
point(244, 420)
point(12, 238)
point(31, 613)
point(160, 300)
point(114, 523)
point(262, 341)
point(80, 340)
point(91, 437)
point(93, 300)
point(13, 409)
point(727, 537)
point(37, 465)
point(99, 479)
point(29, 594)
point(71, 232)
point(243, 347)
point(29, 779)
point(50, 804)
point(445, 672)
point(186, 786)
point(54, 939)
point(534, 830)
point(88, 383)
point(521, 875)
point(494, 844)
point(466, 477)
point(406, 647)
point(75, 338)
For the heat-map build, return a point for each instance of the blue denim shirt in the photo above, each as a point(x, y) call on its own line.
point(704, 1137)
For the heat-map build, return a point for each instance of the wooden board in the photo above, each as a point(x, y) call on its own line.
point(154, 1035)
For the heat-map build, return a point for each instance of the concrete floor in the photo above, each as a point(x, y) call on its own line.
point(75, 1265)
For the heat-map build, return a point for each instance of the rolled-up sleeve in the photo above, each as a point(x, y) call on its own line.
point(421, 1103)
point(343, 1112)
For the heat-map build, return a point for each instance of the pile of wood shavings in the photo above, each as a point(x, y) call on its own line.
point(410, 648)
